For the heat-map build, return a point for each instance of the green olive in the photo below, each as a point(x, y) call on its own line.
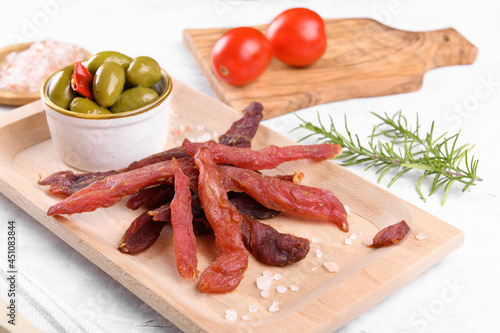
point(108, 84)
point(85, 105)
point(143, 71)
point(107, 56)
point(60, 91)
point(134, 98)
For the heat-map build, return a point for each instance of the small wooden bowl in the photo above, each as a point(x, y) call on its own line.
point(20, 98)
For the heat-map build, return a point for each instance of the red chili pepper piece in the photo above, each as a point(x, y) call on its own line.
point(81, 80)
point(225, 273)
point(391, 235)
point(182, 225)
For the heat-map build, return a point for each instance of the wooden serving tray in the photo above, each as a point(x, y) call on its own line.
point(324, 300)
point(364, 58)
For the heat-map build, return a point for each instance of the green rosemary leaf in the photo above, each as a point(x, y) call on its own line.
point(394, 144)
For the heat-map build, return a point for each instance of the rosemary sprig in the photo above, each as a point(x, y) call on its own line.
point(394, 145)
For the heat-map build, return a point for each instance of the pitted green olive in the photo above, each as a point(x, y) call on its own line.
point(107, 56)
point(60, 91)
point(85, 105)
point(134, 98)
point(143, 71)
point(108, 84)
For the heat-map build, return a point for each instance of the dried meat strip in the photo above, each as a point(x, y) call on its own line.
point(267, 158)
point(151, 197)
point(300, 200)
point(391, 235)
point(200, 223)
point(141, 234)
point(266, 244)
point(242, 131)
point(226, 272)
point(251, 207)
point(66, 182)
point(270, 246)
point(110, 190)
point(167, 155)
point(182, 225)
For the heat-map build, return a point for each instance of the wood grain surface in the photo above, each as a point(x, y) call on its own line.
point(324, 300)
point(364, 58)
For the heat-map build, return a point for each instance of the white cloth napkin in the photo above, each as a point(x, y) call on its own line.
point(41, 308)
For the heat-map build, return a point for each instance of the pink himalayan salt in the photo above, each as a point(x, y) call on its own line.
point(26, 71)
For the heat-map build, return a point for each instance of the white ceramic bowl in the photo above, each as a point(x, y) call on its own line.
point(109, 141)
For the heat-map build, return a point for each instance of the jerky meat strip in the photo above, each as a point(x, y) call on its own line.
point(109, 191)
point(300, 200)
point(225, 273)
point(182, 225)
point(151, 197)
point(243, 130)
point(270, 246)
point(267, 158)
point(391, 235)
point(141, 234)
point(67, 183)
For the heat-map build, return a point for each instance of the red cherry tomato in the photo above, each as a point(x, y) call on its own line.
point(241, 55)
point(297, 36)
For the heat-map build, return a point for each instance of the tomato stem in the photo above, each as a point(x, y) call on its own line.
point(223, 70)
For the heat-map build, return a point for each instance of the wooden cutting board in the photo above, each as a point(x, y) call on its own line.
point(324, 300)
point(364, 58)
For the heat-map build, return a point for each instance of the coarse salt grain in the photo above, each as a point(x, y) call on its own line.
point(26, 71)
point(200, 127)
point(319, 254)
point(421, 236)
point(252, 308)
point(281, 289)
point(204, 137)
point(274, 307)
point(315, 240)
point(264, 282)
point(294, 288)
point(348, 241)
point(264, 294)
point(266, 273)
point(331, 266)
point(368, 241)
point(244, 317)
point(277, 277)
point(231, 315)
point(314, 268)
point(353, 236)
